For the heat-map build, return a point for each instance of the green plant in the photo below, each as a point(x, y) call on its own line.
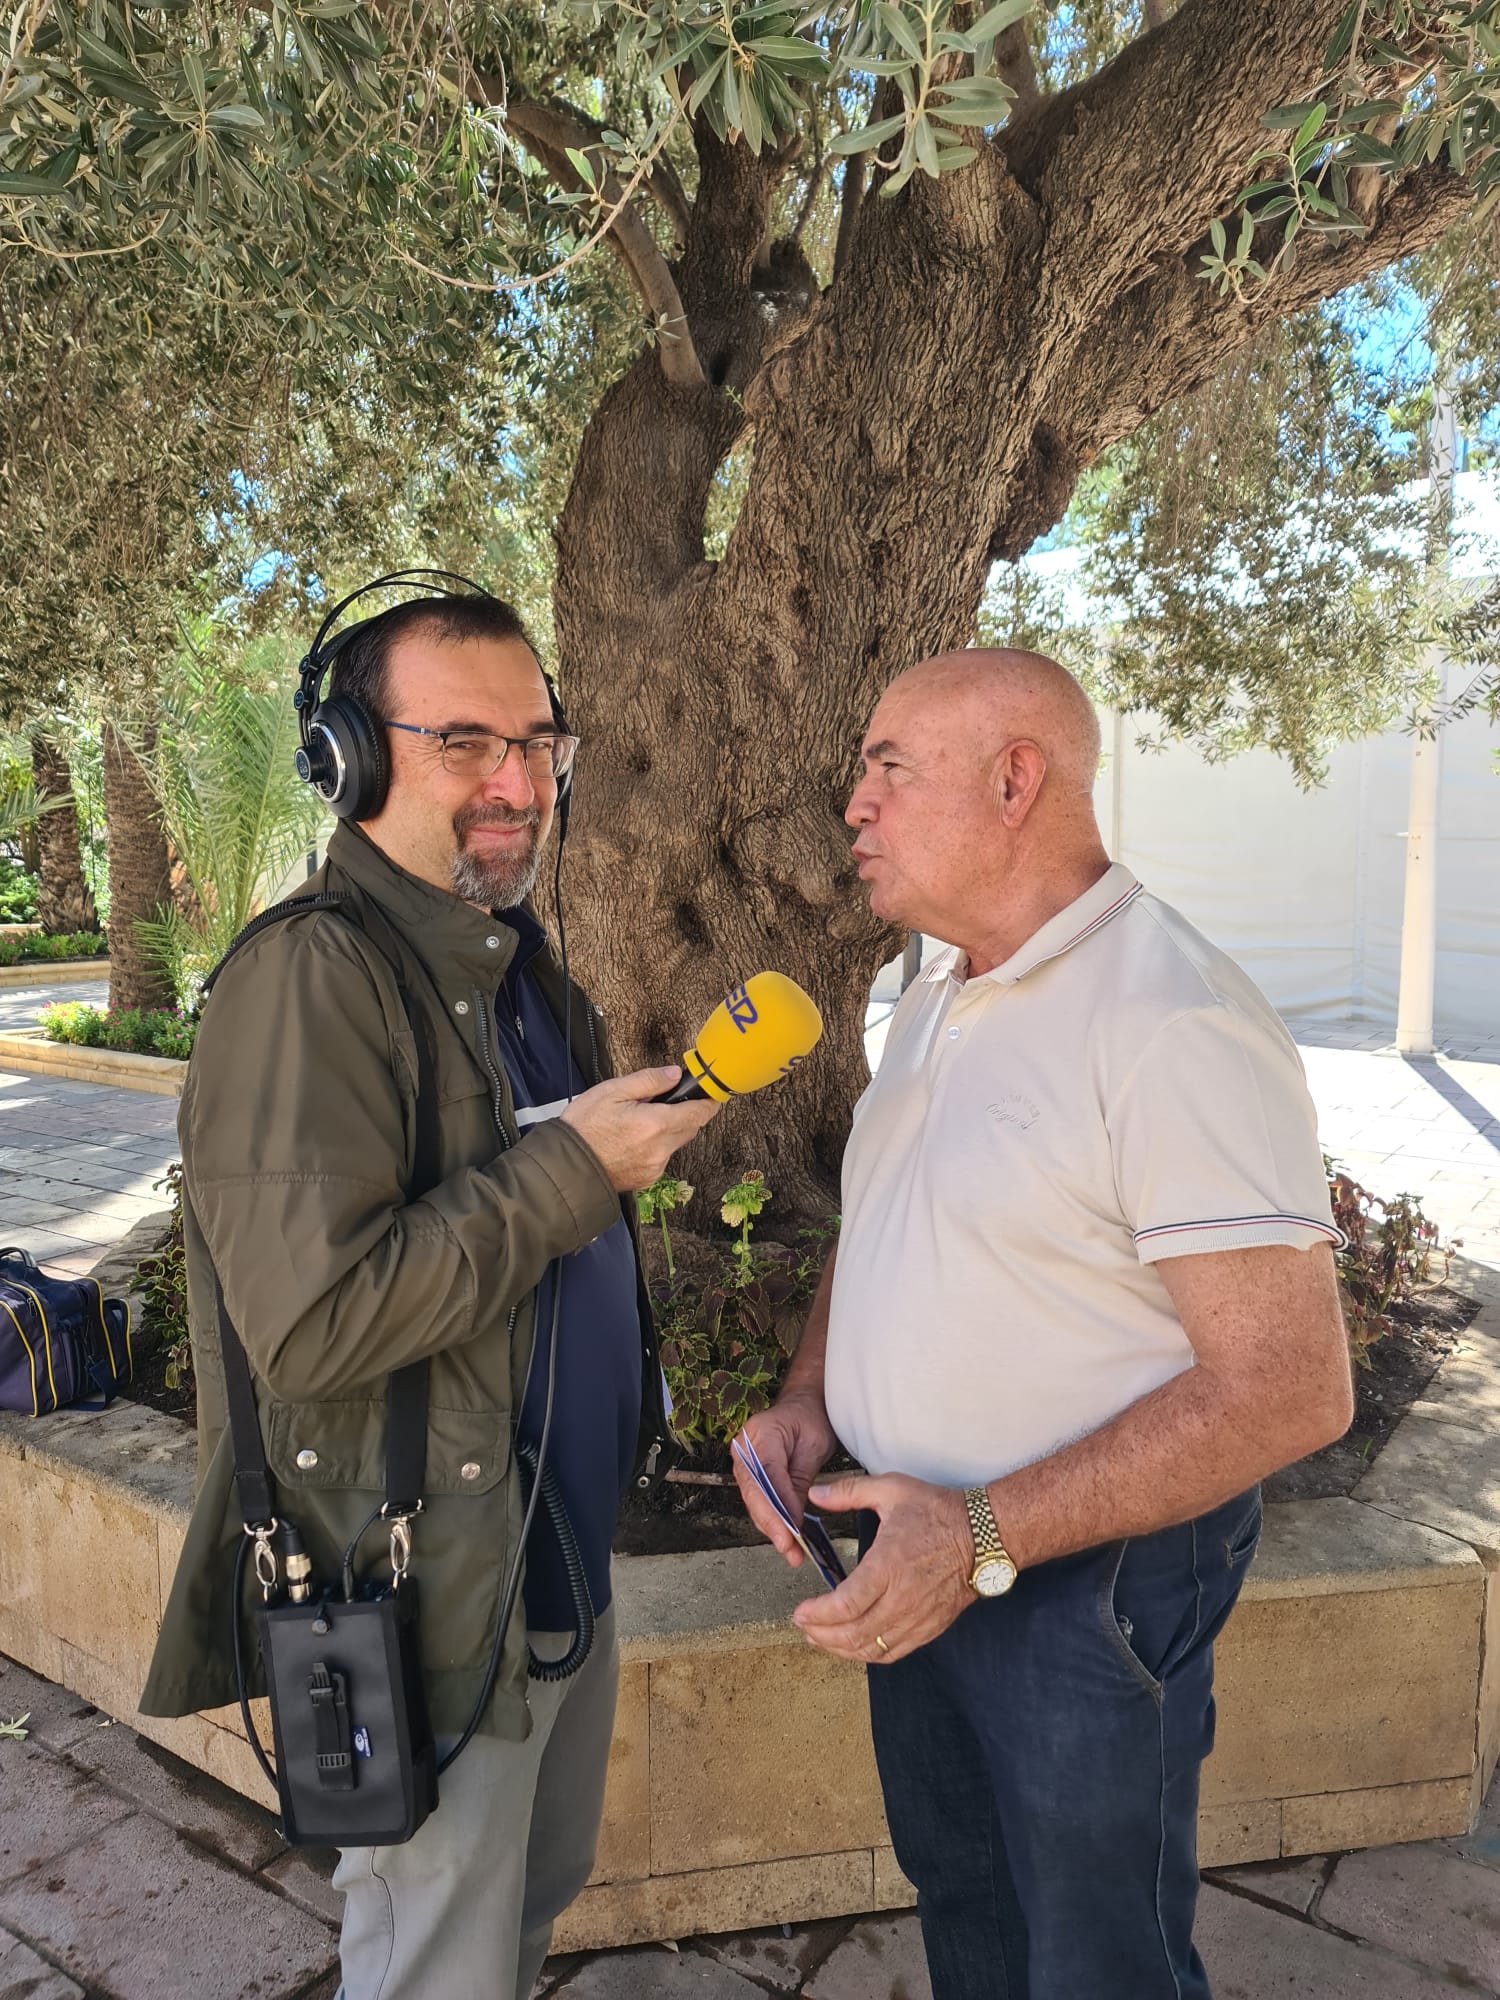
point(140, 1031)
point(17, 893)
point(727, 1333)
point(1386, 1259)
point(739, 1207)
point(161, 1279)
point(237, 814)
point(58, 950)
point(655, 1204)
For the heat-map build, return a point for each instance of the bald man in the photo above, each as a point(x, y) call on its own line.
point(1083, 1302)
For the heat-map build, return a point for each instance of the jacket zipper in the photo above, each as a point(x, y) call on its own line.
point(497, 1105)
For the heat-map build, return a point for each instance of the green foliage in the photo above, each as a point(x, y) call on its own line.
point(655, 1204)
point(1256, 558)
point(137, 1031)
point(35, 948)
point(727, 1332)
point(236, 813)
point(17, 893)
point(161, 1280)
point(1403, 83)
point(1386, 1260)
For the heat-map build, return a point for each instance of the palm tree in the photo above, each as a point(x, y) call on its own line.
point(235, 812)
point(64, 901)
point(140, 871)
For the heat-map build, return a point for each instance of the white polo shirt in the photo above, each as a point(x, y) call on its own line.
point(1034, 1140)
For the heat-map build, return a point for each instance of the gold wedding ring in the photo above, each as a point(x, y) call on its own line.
point(881, 1643)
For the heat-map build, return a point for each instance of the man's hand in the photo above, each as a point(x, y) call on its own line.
point(631, 1137)
point(915, 1579)
point(793, 1441)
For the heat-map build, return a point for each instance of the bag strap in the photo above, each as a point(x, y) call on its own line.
point(407, 1388)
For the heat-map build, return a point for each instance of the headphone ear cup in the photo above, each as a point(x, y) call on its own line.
point(358, 745)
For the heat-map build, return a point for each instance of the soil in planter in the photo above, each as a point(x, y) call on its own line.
point(681, 1514)
point(150, 1385)
point(1425, 1333)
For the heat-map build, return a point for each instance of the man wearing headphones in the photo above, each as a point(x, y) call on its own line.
point(445, 756)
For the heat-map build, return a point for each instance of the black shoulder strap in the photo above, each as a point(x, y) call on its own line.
point(407, 1390)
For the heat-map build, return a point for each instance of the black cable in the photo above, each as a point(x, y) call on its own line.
point(578, 1584)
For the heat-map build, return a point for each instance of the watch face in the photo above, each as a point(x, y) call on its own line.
point(995, 1577)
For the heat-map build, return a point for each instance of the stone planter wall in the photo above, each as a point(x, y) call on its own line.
point(54, 972)
point(29, 1050)
point(1359, 1678)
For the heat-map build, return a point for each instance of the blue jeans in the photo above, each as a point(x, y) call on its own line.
point(1040, 1767)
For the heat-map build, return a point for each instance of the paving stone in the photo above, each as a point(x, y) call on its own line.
point(24, 1976)
point(772, 1958)
point(1293, 1884)
point(47, 1807)
point(1424, 1903)
point(185, 1798)
point(141, 1913)
point(303, 1874)
point(881, 1959)
point(557, 1971)
point(1252, 1953)
point(54, 1716)
point(654, 1973)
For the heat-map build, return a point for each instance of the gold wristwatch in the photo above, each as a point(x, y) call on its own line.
point(993, 1572)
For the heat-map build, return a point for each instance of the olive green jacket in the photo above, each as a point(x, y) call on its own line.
point(298, 1134)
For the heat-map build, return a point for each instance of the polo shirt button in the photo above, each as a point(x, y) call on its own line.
point(953, 1034)
point(460, 1006)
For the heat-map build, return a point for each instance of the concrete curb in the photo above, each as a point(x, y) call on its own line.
point(29, 1050)
point(54, 972)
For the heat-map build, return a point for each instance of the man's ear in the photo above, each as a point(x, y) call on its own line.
point(1015, 780)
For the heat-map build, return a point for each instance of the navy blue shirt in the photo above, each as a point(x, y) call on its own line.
point(597, 1406)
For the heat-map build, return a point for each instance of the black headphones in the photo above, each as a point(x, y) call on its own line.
point(343, 755)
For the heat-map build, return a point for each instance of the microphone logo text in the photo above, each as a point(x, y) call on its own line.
point(741, 1009)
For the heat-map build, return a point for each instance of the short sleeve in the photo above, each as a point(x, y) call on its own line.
point(1215, 1140)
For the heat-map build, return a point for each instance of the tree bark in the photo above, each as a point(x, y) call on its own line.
point(64, 901)
point(986, 336)
point(140, 876)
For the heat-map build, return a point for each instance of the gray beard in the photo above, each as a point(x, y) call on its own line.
point(499, 883)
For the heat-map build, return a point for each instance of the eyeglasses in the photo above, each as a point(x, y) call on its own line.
point(472, 754)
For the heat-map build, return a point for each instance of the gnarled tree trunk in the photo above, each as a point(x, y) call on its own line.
point(140, 876)
point(64, 900)
point(985, 337)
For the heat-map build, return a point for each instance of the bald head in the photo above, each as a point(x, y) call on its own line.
point(975, 814)
point(998, 693)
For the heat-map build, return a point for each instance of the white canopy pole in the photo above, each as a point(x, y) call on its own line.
point(1419, 913)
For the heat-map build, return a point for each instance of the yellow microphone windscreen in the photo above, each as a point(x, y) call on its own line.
point(761, 1032)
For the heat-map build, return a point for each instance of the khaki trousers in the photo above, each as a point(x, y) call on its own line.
point(466, 1908)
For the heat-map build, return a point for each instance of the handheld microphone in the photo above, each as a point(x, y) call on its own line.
point(757, 1035)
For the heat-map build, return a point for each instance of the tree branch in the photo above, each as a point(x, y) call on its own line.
point(1139, 157)
point(851, 200)
point(1015, 67)
point(552, 123)
point(549, 132)
point(1174, 331)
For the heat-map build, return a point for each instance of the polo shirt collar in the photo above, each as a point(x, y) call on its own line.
point(1115, 890)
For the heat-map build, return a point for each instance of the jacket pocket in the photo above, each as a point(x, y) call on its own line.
point(341, 1445)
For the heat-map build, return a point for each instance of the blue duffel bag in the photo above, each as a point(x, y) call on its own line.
point(62, 1341)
